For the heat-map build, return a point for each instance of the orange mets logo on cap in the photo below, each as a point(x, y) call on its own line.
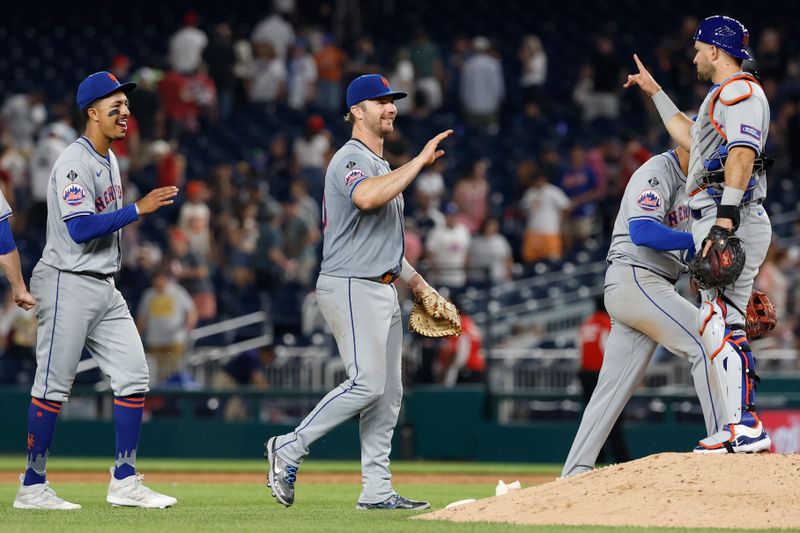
point(384, 81)
point(113, 78)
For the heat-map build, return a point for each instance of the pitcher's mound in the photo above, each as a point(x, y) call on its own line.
point(666, 490)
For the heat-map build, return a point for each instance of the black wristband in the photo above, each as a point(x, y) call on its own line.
point(730, 212)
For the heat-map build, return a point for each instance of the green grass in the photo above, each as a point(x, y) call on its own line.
point(249, 507)
point(78, 464)
point(237, 507)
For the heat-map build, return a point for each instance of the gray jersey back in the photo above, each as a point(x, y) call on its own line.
point(742, 113)
point(82, 182)
point(358, 243)
point(5, 209)
point(656, 191)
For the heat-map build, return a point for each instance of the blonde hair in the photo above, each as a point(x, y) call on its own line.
point(349, 117)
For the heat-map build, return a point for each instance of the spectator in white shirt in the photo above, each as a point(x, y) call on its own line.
point(274, 30)
point(187, 44)
point(482, 87)
point(545, 206)
point(302, 76)
point(489, 253)
point(447, 248)
point(267, 83)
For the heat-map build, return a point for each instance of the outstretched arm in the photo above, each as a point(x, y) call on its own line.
point(87, 227)
point(376, 191)
point(678, 124)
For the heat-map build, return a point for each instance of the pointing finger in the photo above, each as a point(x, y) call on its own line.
point(639, 63)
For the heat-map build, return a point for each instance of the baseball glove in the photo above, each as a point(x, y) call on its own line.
point(434, 316)
point(723, 263)
point(761, 316)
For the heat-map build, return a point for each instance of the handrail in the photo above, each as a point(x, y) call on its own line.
point(227, 325)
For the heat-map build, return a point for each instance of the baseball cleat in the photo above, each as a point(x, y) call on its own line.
point(131, 492)
point(280, 475)
point(40, 496)
point(736, 438)
point(395, 501)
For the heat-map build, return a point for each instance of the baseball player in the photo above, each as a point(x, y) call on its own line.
point(79, 304)
point(726, 185)
point(362, 217)
point(646, 258)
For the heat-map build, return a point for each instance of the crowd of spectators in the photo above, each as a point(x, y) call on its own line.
point(534, 172)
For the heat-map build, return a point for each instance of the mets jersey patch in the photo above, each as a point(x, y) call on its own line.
point(751, 131)
point(352, 176)
point(649, 200)
point(73, 194)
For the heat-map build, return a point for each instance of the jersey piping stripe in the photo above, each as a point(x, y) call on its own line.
point(754, 146)
point(41, 405)
point(356, 185)
point(646, 218)
point(355, 360)
point(702, 350)
point(52, 335)
point(4, 217)
point(89, 146)
point(77, 214)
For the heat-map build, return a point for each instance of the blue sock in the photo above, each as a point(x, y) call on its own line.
point(128, 413)
point(42, 416)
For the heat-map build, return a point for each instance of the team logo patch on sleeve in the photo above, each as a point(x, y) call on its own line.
point(73, 194)
point(649, 200)
point(751, 131)
point(352, 176)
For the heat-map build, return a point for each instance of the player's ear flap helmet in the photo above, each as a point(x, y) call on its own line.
point(727, 34)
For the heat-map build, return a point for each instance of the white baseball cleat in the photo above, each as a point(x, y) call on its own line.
point(131, 492)
point(736, 438)
point(40, 496)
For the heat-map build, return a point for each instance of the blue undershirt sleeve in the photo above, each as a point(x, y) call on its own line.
point(88, 227)
point(659, 237)
point(7, 244)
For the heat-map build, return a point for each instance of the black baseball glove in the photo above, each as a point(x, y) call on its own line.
point(723, 263)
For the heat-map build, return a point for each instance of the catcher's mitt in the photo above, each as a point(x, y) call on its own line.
point(761, 316)
point(434, 316)
point(723, 263)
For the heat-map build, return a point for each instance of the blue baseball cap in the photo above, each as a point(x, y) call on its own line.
point(370, 87)
point(99, 85)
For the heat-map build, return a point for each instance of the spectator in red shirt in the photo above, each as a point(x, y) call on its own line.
point(592, 335)
point(461, 359)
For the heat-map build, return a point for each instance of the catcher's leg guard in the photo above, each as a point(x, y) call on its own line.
point(734, 366)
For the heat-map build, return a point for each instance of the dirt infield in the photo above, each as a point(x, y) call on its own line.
point(665, 490)
point(259, 477)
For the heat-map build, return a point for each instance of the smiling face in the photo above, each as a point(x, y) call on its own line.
point(110, 115)
point(376, 115)
point(704, 54)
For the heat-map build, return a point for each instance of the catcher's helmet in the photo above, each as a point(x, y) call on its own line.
point(725, 33)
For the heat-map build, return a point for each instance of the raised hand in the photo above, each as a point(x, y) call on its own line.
point(156, 199)
point(431, 152)
point(643, 79)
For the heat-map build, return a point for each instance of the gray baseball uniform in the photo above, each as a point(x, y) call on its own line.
point(5, 209)
point(78, 301)
point(646, 310)
point(741, 112)
point(733, 115)
point(363, 313)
